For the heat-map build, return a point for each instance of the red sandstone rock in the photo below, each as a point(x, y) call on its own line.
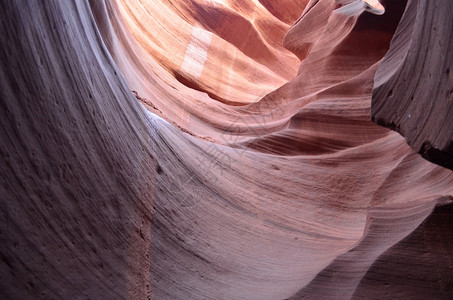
point(250, 172)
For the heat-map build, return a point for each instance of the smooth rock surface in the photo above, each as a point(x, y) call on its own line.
point(210, 150)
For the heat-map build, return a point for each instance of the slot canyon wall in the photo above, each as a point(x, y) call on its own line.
point(226, 149)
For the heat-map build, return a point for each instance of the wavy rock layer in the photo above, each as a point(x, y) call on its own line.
point(78, 179)
point(176, 150)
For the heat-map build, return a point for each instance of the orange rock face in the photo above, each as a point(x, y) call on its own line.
point(220, 149)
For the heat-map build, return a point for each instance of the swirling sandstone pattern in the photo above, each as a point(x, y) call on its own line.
point(219, 150)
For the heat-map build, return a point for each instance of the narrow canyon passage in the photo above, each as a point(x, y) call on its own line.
point(226, 149)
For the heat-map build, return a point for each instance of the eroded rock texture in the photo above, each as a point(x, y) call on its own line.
point(413, 92)
point(219, 150)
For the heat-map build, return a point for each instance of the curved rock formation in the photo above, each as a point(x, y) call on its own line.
point(413, 91)
point(215, 150)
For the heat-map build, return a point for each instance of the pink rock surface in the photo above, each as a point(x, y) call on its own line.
point(213, 150)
